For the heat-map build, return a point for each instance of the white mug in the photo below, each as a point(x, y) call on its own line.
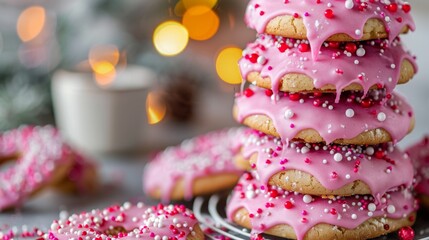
point(98, 119)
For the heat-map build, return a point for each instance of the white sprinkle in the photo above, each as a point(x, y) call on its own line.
point(307, 199)
point(356, 62)
point(391, 209)
point(289, 114)
point(305, 150)
point(354, 216)
point(324, 161)
point(261, 60)
point(360, 52)
point(372, 207)
point(381, 116)
point(349, 4)
point(393, 66)
point(358, 32)
point(348, 176)
point(370, 151)
point(350, 113)
point(338, 157)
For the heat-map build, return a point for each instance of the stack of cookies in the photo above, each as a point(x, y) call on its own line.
point(321, 152)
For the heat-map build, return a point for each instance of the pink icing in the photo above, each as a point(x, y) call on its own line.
point(375, 63)
point(333, 166)
point(419, 154)
point(293, 113)
point(205, 155)
point(319, 27)
point(268, 207)
point(140, 222)
point(40, 150)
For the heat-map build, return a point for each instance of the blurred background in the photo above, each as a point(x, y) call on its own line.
point(190, 46)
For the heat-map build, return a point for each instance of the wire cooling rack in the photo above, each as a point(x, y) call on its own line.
point(210, 212)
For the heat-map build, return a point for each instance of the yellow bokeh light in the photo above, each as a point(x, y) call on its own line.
point(170, 38)
point(155, 109)
point(31, 23)
point(104, 72)
point(192, 3)
point(202, 22)
point(227, 65)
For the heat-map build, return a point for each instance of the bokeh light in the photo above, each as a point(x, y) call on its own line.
point(188, 4)
point(31, 23)
point(103, 60)
point(155, 108)
point(227, 65)
point(170, 38)
point(104, 73)
point(201, 21)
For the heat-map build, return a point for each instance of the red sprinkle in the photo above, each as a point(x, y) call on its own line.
point(303, 47)
point(269, 92)
point(288, 205)
point(329, 13)
point(248, 92)
point(351, 47)
point(406, 8)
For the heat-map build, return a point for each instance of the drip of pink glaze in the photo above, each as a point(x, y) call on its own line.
point(330, 124)
point(381, 175)
point(319, 27)
point(343, 212)
point(41, 150)
point(419, 154)
point(379, 64)
point(139, 221)
point(205, 155)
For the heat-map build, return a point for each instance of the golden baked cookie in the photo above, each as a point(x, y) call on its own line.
point(289, 26)
point(371, 228)
point(296, 82)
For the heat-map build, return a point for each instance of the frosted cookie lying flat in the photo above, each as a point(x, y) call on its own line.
point(283, 64)
point(419, 154)
point(319, 169)
point(199, 166)
point(334, 21)
point(130, 221)
point(264, 209)
point(316, 118)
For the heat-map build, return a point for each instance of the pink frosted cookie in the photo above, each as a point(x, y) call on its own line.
point(376, 119)
point(419, 154)
point(41, 160)
point(198, 166)
point(130, 222)
point(284, 64)
point(319, 169)
point(266, 209)
point(319, 21)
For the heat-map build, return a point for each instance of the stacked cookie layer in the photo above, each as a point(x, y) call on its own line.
point(321, 156)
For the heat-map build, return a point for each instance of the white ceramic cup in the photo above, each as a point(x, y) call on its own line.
point(98, 119)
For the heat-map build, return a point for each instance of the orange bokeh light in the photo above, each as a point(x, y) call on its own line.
point(31, 23)
point(155, 108)
point(103, 60)
point(201, 22)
